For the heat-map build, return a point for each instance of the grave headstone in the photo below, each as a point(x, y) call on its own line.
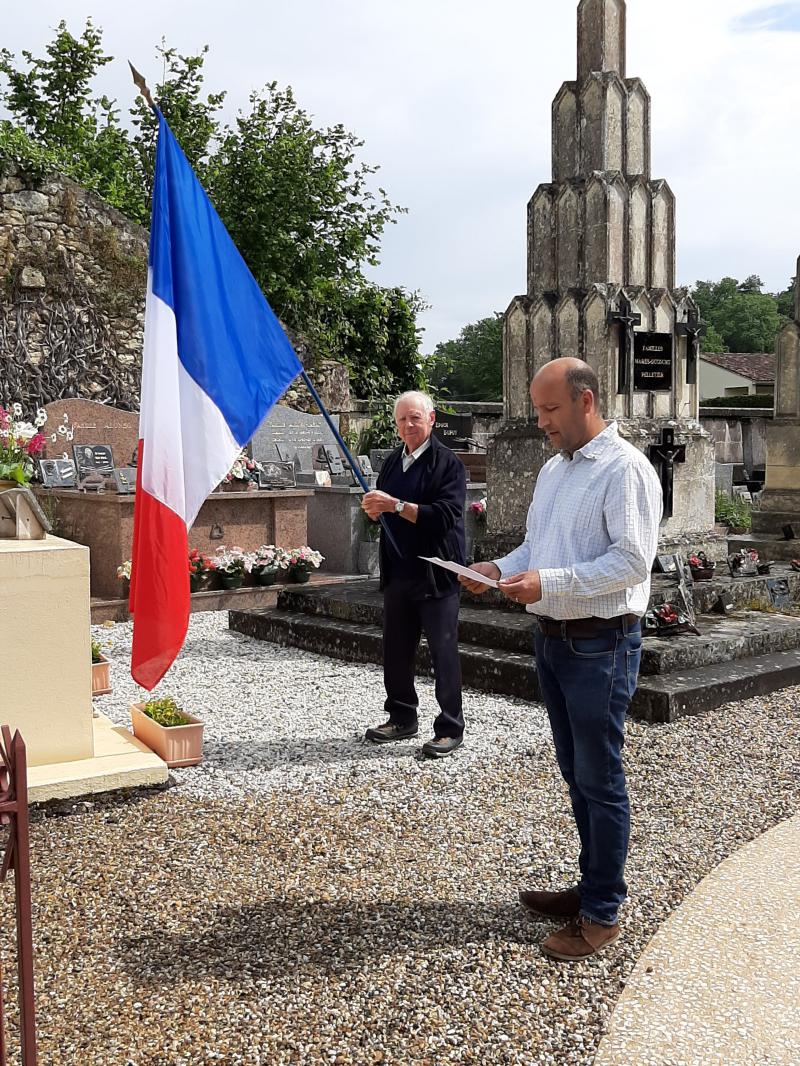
point(291, 429)
point(88, 422)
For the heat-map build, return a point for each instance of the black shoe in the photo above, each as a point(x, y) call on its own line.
point(441, 746)
point(390, 731)
point(565, 904)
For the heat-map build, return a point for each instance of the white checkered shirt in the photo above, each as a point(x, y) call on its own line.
point(592, 531)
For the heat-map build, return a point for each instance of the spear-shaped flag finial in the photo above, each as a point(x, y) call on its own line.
point(141, 85)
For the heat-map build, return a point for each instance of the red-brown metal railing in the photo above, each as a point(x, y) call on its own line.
point(14, 814)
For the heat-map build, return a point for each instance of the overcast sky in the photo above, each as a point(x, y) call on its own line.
point(452, 98)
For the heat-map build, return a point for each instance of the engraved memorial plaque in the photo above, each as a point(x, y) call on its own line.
point(58, 473)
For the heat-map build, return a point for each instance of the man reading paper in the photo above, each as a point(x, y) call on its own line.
point(584, 572)
point(421, 489)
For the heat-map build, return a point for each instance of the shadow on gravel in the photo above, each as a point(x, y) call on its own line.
point(280, 939)
point(302, 751)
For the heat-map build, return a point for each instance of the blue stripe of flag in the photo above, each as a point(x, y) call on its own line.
point(229, 339)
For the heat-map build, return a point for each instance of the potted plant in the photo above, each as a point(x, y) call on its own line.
point(101, 680)
point(20, 444)
point(300, 562)
point(242, 476)
point(124, 575)
point(202, 571)
point(231, 566)
point(266, 564)
point(702, 569)
point(478, 510)
point(174, 735)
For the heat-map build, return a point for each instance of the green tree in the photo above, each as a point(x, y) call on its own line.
point(58, 125)
point(296, 199)
point(471, 366)
point(744, 317)
point(786, 305)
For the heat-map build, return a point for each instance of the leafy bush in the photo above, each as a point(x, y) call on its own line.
point(166, 712)
point(733, 511)
point(97, 652)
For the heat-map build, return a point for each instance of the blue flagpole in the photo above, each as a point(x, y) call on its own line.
point(353, 464)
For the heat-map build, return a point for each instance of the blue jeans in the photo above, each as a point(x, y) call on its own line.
point(587, 685)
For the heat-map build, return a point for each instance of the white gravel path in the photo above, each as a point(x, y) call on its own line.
point(279, 717)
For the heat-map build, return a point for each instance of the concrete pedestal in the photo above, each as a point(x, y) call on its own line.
point(44, 632)
point(46, 691)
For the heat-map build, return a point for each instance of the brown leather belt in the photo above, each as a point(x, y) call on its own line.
point(584, 627)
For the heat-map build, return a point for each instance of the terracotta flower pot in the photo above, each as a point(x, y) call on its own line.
point(101, 681)
point(177, 745)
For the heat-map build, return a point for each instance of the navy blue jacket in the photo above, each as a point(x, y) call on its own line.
point(440, 490)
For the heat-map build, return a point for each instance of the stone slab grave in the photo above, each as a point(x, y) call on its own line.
point(287, 435)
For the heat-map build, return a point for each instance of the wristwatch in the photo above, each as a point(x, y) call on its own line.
point(399, 507)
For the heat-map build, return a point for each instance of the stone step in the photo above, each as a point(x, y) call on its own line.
point(488, 669)
point(663, 698)
point(721, 638)
point(774, 521)
point(768, 546)
point(672, 696)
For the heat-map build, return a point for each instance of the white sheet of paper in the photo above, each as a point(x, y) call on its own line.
point(463, 570)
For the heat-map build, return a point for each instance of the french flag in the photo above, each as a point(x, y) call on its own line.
point(215, 361)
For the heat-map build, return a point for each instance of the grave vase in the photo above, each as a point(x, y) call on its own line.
point(230, 580)
point(266, 575)
point(299, 574)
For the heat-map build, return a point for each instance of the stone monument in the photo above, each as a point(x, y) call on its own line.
point(779, 510)
point(601, 286)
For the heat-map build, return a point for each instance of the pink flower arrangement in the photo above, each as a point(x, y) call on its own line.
point(243, 469)
point(304, 558)
point(20, 443)
point(478, 508)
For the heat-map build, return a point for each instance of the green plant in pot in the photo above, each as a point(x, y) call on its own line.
point(164, 727)
point(101, 671)
point(20, 445)
point(266, 564)
point(202, 570)
point(299, 562)
point(231, 565)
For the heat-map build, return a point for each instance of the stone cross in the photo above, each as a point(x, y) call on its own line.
point(693, 331)
point(664, 456)
point(627, 319)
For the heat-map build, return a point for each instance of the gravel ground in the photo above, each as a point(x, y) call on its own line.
point(303, 898)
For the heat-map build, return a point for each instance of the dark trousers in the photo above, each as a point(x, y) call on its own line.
point(405, 617)
point(587, 685)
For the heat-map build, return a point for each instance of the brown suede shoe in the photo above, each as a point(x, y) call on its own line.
point(565, 904)
point(579, 940)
